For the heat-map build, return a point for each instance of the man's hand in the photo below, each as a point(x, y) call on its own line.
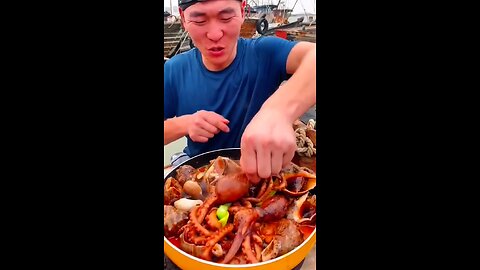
point(268, 144)
point(203, 125)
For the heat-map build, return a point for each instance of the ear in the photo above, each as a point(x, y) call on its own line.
point(182, 17)
point(244, 4)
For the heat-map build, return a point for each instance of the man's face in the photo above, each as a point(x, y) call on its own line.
point(214, 27)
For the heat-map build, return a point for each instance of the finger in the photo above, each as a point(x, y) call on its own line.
point(288, 156)
point(205, 125)
point(248, 161)
point(218, 122)
point(200, 139)
point(254, 179)
point(215, 117)
point(277, 161)
point(204, 133)
point(264, 162)
point(222, 126)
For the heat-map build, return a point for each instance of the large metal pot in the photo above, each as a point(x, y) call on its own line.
point(188, 262)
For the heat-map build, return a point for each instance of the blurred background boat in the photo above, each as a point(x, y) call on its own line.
point(260, 20)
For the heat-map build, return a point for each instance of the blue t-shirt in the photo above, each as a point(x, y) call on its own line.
point(236, 93)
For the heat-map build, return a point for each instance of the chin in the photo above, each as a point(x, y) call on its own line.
point(218, 62)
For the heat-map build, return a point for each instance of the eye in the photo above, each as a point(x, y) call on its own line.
point(226, 19)
point(198, 22)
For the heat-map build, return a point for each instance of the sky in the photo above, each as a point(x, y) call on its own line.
point(307, 5)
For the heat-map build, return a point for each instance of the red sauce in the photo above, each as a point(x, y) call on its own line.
point(307, 210)
point(306, 230)
point(175, 241)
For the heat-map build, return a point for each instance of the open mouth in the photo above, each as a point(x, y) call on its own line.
point(216, 49)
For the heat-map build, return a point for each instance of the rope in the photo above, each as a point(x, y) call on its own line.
point(182, 40)
point(173, 22)
point(304, 144)
point(311, 124)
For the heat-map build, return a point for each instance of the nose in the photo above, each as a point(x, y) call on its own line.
point(215, 33)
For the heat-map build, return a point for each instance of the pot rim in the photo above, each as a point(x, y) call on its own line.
point(309, 238)
point(202, 154)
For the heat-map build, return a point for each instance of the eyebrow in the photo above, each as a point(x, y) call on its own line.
point(196, 14)
point(228, 10)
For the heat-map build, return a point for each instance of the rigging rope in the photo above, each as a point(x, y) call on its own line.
point(304, 144)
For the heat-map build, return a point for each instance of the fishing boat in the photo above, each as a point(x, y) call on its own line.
point(173, 37)
point(176, 39)
point(263, 19)
point(298, 27)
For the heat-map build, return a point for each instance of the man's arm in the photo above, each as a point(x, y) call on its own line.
point(298, 94)
point(174, 129)
point(269, 143)
point(200, 126)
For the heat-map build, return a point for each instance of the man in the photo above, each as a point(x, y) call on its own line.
point(226, 92)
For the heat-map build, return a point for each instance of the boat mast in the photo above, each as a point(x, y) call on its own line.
point(171, 8)
point(294, 5)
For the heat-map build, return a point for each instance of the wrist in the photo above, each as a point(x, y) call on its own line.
point(280, 111)
point(184, 123)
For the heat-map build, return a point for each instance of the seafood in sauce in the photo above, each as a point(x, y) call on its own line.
point(216, 214)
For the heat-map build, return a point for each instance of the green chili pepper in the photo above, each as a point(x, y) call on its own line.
point(224, 220)
point(222, 211)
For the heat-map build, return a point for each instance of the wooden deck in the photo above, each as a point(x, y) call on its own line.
point(303, 33)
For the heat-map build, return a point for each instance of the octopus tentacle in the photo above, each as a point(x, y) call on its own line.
point(258, 243)
point(188, 233)
point(269, 189)
point(190, 236)
point(247, 203)
point(258, 251)
point(252, 199)
point(247, 250)
point(199, 240)
point(257, 238)
point(262, 188)
point(283, 183)
point(212, 220)
point(204, 207)
point(196, 222)
point(234, 209)
point(182, 229)
point(243, 221)
point(215, 239)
